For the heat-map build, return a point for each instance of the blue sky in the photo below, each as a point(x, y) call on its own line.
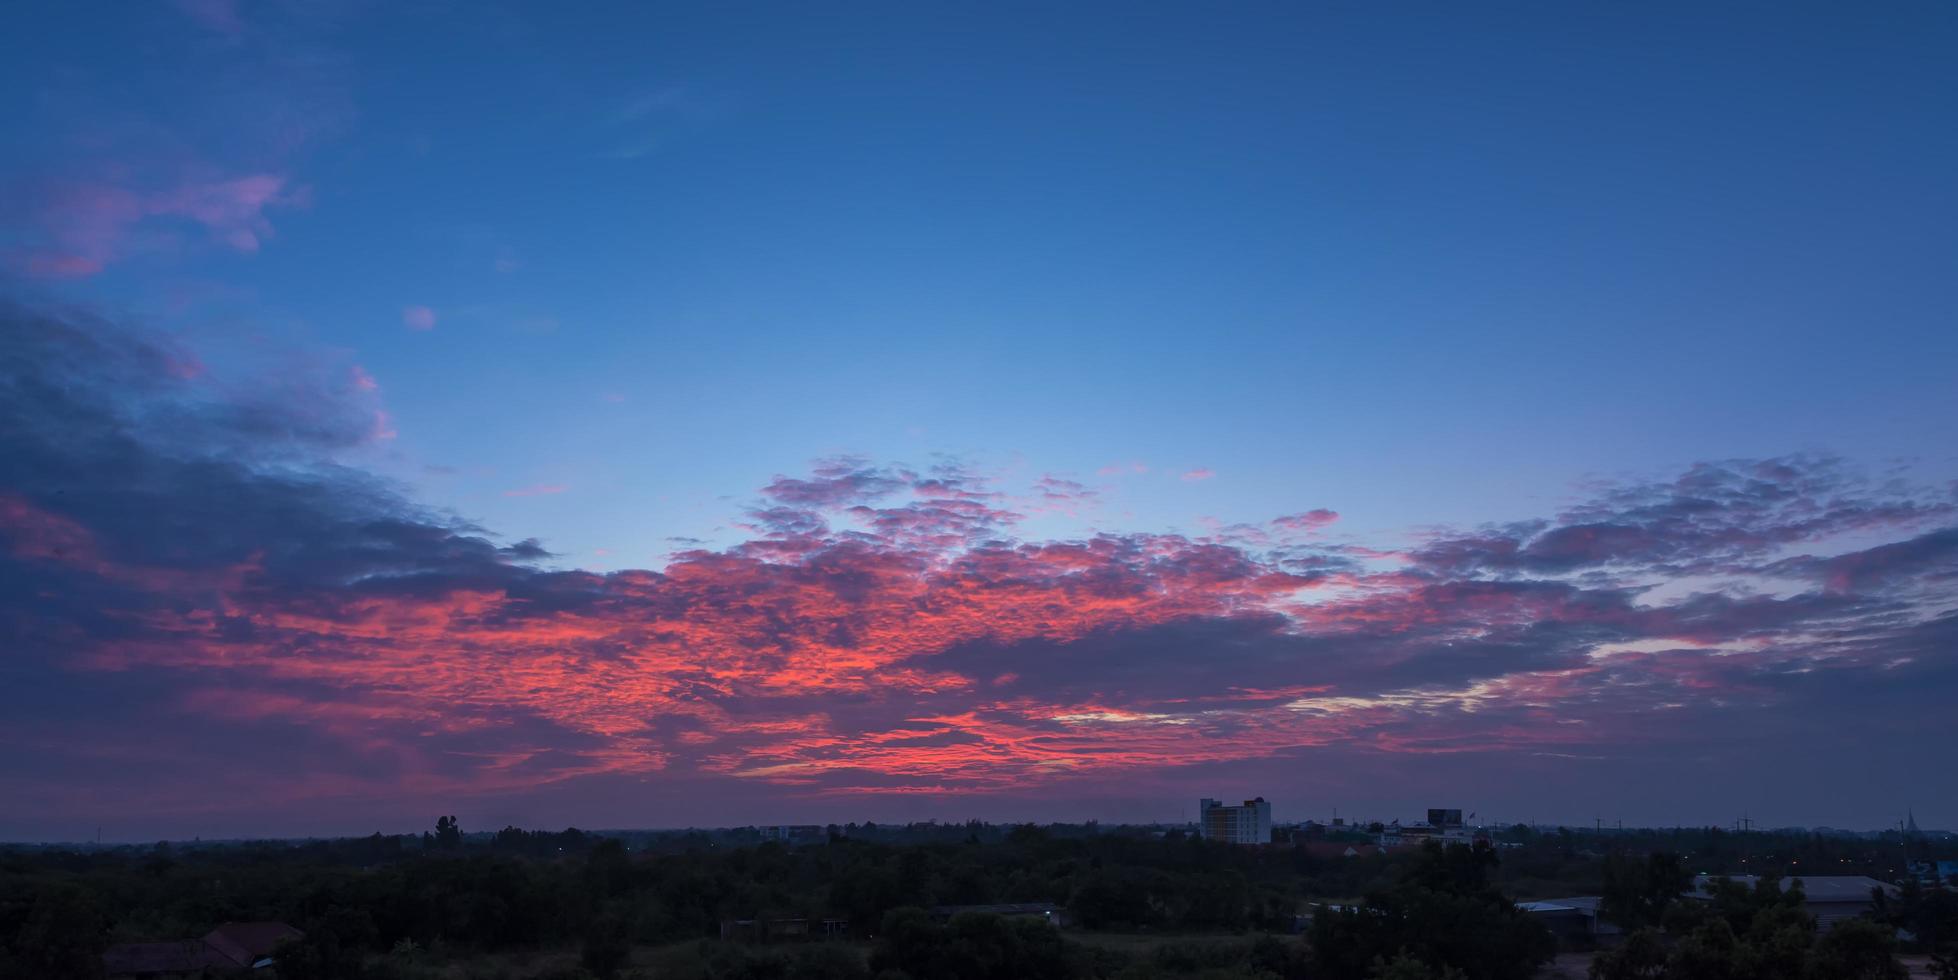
point(613, 268)
point(1420, 265)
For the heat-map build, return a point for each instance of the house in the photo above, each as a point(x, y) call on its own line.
point(232, 948)
point(1830, 898)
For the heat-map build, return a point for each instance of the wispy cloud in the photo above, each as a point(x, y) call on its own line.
point(220, 16)
point(418, 317)
point(1200, 473)
point(84, 226)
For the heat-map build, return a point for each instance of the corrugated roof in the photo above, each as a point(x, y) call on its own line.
point(1817, 888)
point(180, 956)
point(244, 942)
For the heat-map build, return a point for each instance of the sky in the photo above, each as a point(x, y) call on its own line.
point(632, 415)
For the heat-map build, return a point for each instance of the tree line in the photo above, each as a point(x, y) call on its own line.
point(647, 905)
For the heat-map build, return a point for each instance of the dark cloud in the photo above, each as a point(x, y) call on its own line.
point(838, 482)
point(194, 578)
point(1715, 517)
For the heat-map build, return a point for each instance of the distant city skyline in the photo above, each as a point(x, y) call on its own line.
point(650, 416)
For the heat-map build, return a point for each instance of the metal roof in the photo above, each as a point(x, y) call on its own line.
point(1817, 888)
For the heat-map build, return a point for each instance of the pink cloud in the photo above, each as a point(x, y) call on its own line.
point(60, 266)
point(1122, 469)
point(1310, 520)
point(362, 381)
point(418, 317)
point(537, 490)
point(88, 225)
point(1200, 473)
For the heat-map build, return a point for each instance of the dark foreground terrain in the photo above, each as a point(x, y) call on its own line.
point(863, 902)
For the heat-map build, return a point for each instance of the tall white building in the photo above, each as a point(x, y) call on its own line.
point(1246, 824)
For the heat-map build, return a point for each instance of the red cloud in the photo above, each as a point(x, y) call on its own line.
point(882, 629)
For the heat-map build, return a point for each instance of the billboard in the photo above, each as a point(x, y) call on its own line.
point(1444, 818)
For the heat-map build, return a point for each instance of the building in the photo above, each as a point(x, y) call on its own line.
point(1246, 824)
point(1830, 898)
point(795, 834)
point(1934, 872)
point(235, 947)
point(1442, 826)
point(1574, 921)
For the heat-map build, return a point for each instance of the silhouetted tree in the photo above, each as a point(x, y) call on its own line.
point(448, 833)
point(1858, 949)
point(1637, 893)
point(1642, 956)
point(63, 937)
point(607, 944)
point(1443, 913)
point(970, 947)
point(1406, 967)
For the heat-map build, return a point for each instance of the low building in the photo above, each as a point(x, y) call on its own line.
point(1249, 823)
point(1444, 826)
point(1574, 921)
point(1830, 898)
point(1417, 834)
point(1934, 872)
point(232, 948)
point(795, 834)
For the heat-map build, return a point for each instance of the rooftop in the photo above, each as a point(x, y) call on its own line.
point(1818, 888)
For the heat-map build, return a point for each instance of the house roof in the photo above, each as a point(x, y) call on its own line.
point(180, 956)
point(1817, 888)
point(1583, 903)
point(234, 945)
point(243, 943)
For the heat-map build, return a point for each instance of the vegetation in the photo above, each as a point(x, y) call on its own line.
point(1443, 915)
point(1753, 933)
point(569, 905)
